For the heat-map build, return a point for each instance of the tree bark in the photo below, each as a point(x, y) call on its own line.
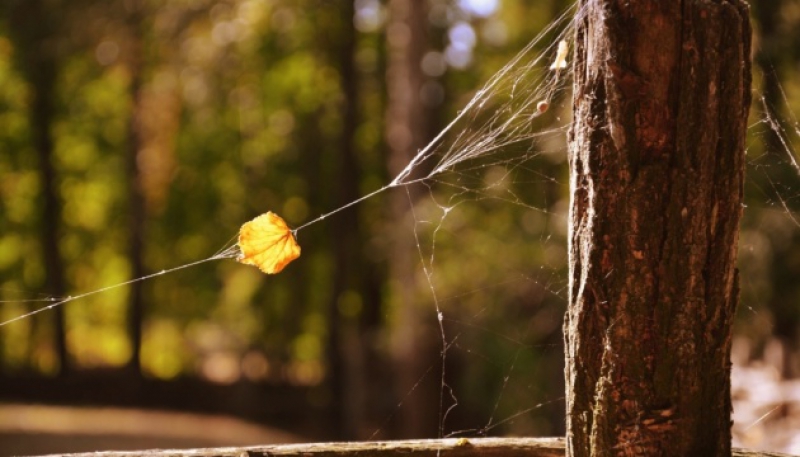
point(661, 96)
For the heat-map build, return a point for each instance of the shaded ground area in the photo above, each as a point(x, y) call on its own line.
point(766, 412)
point(37, 429)
point(297, 409)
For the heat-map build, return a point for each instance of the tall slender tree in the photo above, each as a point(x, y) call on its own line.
point(342, 359)
point(407, 132)
point(34, 25)
point(136, 199)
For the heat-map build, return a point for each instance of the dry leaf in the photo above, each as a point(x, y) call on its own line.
point(267, 243)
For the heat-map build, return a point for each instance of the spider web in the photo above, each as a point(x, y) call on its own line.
point(506, 148)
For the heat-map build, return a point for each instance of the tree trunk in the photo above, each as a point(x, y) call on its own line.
point(34, 27)
point(136, 199)
point(345, 372)
point(771, 49)
point(414, 350)
point(661, 96)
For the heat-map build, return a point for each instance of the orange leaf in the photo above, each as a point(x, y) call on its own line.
point(267, 243)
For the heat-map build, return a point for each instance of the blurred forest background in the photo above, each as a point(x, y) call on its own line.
point(138, 135)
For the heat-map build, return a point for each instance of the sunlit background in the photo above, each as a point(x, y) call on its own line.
point(138, 135)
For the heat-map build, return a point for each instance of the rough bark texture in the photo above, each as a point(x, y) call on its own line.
point(662, 91)
point(451, 447)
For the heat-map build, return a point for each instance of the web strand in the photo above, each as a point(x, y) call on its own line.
point(508, 101)
point(496, 134)
point(227, 253)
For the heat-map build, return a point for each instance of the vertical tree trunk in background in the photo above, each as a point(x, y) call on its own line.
point(414, 349)
point(771, 49)
point(766, 15)
point(661, 95)
point(344, 373)
point(136, 205)
point(374, 328)
point(32, 24)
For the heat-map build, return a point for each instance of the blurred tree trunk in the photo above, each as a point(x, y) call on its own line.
point(771, 51)
point(136, 200)
point(661, 97)
point(373, 326)
point(416, 351)
point(34, 27)
point(345, 373)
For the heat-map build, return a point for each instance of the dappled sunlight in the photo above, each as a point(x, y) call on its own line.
point(433, 279)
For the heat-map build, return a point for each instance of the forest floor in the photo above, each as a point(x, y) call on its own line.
point(38, 429)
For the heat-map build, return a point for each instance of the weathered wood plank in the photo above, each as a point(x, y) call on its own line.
point(450, 447)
